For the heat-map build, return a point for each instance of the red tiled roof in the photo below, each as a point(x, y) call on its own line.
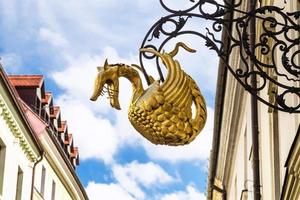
point(38, 125)
point(75, 156)
point(74, 152)
point(56, 110)
point(69, 140)
point(63, 127)
point(48, 96)
point(37, 122)
point(26, 80)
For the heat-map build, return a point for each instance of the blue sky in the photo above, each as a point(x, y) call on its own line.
point(65, 41)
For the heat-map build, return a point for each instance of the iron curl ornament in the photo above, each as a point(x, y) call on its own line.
point(274, 62)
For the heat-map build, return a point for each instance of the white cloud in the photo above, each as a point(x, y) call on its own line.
point(146, 174)
point(129, 184)
point(11, 61)
point(52, 37)
point(94, 135)
point(8, 13)
point(130, 177)
point(117, 191)
point(133, 175)
point(190, 194)
point(98, 191)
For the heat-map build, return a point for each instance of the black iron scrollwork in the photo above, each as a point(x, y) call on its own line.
point(276, 58)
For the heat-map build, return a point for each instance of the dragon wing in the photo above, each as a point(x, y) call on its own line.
point(176, 87)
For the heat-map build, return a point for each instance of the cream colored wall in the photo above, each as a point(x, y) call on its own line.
point(235, 167)
point(56, 169)
point(265, 152)
point(60, 190)
point(237, 178)
point(19, 151)
point(288, 123)
point(14, 158)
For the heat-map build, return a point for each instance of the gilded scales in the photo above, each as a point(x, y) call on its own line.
point(162, 113)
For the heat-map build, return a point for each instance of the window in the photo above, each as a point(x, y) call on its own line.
point(19, 184)
point(53, 191)
point(2, 164)
point(43, 179)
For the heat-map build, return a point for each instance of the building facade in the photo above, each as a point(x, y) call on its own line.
point(37, 155)
point(231, 159)
point(19, 148)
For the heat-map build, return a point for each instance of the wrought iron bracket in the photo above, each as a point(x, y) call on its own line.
point(277, 48)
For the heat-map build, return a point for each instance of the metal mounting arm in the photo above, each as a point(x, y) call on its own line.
point(277, 53)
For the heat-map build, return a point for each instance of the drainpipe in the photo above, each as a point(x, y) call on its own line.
point(254, 111)
point(33, 173)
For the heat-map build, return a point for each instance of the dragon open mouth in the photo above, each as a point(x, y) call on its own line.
point(113, 94)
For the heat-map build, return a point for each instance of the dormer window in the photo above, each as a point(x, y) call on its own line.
point(31, 91)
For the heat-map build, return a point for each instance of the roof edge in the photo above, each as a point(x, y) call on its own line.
point(14, 96)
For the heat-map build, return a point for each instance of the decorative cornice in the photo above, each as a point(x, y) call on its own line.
point(16, 131)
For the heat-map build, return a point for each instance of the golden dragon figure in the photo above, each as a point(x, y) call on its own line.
point(163, 112)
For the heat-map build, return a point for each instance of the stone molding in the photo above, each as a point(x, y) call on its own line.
point(15, 129)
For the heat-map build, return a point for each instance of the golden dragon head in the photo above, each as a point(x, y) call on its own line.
point(107, 82)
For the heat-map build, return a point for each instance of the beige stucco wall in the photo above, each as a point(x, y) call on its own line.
point(14, 158)
point(235, 154)
point(60, 190)
point(20, 152)
point(56, 170)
